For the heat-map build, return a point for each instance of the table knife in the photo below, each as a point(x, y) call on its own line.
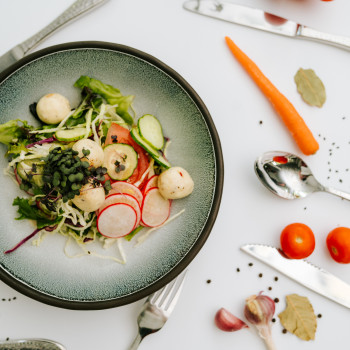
point(258, 19)
point(303, 272)
point(78, 8)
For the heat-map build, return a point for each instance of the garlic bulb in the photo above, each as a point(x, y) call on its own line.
point(259, 310)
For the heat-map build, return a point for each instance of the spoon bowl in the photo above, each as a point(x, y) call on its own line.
point(288, 176)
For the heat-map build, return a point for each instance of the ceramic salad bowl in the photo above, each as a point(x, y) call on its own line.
point(45, 272)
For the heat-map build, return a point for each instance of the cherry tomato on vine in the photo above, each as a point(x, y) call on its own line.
point(297, 241)
point(338, 244)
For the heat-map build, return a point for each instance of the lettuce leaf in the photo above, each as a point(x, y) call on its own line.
point(13, 132)
point(111, 94)
point(31, 212)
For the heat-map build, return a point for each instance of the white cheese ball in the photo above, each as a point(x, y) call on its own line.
point(53, 108)
point(175, 183)
point(96, 155)
point(90, 198)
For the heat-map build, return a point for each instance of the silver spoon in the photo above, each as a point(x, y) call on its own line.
point(289, 177)
point(31, 344)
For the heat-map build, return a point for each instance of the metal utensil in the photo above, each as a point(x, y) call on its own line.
point(288, 176)
point(303, 272)
point(157, 309)
point(31, 344)
point(258, 19)
point(77, 9)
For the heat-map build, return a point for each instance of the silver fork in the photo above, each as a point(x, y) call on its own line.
point(157, 309)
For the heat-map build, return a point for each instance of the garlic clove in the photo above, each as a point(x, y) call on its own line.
point(228, 322)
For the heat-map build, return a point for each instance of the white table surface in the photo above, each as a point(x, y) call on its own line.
point(194, 46)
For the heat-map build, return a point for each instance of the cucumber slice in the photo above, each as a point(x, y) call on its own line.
point(120, 160)
point(151, 131)
point(50, 214)
point(69, 135)
point(31, 170)
point(134, 132)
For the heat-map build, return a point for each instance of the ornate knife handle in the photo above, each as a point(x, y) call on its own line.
point(335, 40)
point(77, 9)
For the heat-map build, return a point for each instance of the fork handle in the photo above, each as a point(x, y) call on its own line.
point(136, 342)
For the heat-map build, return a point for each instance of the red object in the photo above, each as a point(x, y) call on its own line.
point(118, 134)
point(116, 220)
point(280, 159)
point(151, 183)
point(228, 322)
point(338, 244)
point(123, 198)
point(155, 208)
point(297, 241)
point(273, 19)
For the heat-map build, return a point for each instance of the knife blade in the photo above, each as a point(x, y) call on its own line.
point(303, 272)
point(258, 19)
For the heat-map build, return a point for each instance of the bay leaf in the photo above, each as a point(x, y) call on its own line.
point(299, 317)
point(310, 87)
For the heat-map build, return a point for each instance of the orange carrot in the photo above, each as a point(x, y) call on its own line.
point(291, 118)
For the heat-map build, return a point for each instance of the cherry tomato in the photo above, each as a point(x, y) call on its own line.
point(297, 241)
point(338, 244)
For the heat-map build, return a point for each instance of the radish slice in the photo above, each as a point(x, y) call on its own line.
point(151, 182)
point(123, 198)
point(155, 208)
point(116, 220)
point(125, 187)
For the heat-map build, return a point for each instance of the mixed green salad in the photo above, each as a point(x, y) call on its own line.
point(92, 173)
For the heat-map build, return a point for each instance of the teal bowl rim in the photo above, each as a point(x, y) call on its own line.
point(105, 304)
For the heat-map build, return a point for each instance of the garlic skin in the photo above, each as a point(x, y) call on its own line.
point(259, 310)
point(228, 322)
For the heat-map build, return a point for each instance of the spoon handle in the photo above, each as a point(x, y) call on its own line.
point(338, 193)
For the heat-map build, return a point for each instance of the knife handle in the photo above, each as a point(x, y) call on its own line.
point(335, 40)
point(78, 8)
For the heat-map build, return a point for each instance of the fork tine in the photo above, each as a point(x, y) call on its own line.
point(167, 297)
point(156, 296)
point(171, 294)
point(176, 291)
